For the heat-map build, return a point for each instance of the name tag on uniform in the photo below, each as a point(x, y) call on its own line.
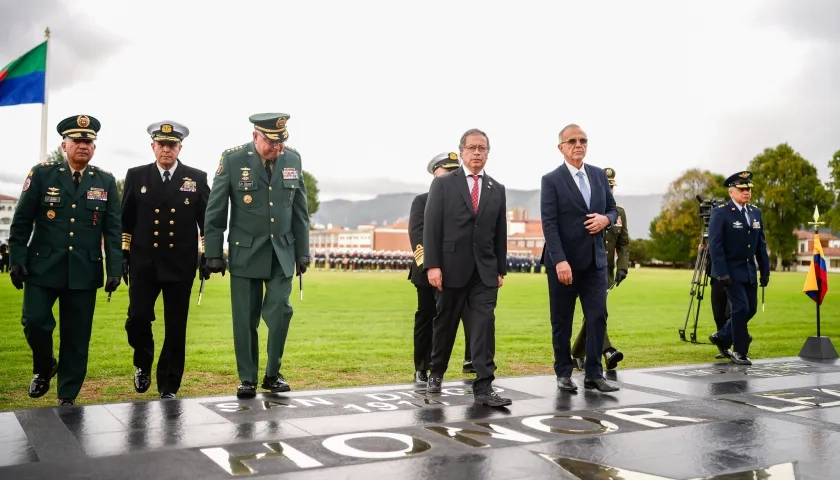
point(51, 199)
point(246, 184)
point(188, 186)
point(97, 194)
point(290, 174)
point(737, 224)
point(756, 225)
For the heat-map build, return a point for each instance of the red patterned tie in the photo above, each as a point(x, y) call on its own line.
point(474, 192)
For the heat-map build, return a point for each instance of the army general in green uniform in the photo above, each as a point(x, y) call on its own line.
point(269, 234)
point(73, 206)
point(616, 240)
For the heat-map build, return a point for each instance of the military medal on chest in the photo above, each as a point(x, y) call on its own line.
point(246, 182)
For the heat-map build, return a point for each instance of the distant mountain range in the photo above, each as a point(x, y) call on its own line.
point(390, 208)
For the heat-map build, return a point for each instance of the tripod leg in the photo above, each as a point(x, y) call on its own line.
point(699, 267)
point(701, 291)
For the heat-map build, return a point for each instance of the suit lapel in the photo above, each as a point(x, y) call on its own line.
point(486, 191)
point(574, 190)
point(594, 189)
point(461, 182)
point(279, 164)
point(255, 164)
point(84, 183)
point(66, 180)
point(176, 180)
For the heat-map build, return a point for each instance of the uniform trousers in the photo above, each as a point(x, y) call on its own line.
point(423, 321)
point(143, 292)
point(249, 302)
point(75, 311)
point(475, 303)
point(743, 298)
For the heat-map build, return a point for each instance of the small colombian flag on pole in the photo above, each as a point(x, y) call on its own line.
point(816, 283)
point(24, 80)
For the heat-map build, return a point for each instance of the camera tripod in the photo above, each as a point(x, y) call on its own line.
point(699, 280)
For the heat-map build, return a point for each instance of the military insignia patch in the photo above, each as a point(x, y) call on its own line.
point(26, 184)
point(188, 186)
point(97, 194)
point(247, 199)
point(166, 128)
point(31, 173)
point(281, 123)
point(83, 121)
point(143, 190)
point(290, 174)
point(744, 174)
point(618, 221)
point(186, 201)
point(221, 161)
point(50, 214)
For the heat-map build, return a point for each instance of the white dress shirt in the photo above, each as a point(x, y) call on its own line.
point(471, 180)
point(171, 170)
point(574, 172)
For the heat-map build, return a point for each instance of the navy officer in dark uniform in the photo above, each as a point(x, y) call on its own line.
point(426, 307)
point(736, 241)
point(163, 230)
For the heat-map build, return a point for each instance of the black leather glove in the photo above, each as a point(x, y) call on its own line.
point(620, 275)
point(763, 281)
point(111, 284)
point(301, 265)
point(18, 275)
point(725, 280)
point(125, 264)
point(204, 271)
point(216, 265)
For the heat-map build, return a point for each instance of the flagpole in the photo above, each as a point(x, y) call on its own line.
point(44, 106)
point(818, 347)
point(819, 281)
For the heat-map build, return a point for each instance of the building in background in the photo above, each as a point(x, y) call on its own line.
point(7, 210)
point(805, 250)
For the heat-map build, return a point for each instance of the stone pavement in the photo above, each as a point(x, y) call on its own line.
point(778, 419)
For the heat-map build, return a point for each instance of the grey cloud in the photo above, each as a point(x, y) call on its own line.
point(77, 43)
point(806, 117)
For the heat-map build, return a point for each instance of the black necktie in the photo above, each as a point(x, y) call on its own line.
point(165, 177)
point(268, 164)
point(76, 177)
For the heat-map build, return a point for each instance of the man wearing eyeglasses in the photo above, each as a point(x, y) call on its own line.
point(576, 206)
point(268, 243)
point(465, 253)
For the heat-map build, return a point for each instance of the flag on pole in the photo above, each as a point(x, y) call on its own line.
point(24, 80)
point(817, 270)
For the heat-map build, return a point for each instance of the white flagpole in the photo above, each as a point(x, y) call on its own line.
point(44, 107)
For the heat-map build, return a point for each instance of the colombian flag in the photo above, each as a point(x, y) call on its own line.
point(23, 80)
point(817, 270)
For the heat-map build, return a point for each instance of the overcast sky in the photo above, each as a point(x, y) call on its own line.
point(375, 89)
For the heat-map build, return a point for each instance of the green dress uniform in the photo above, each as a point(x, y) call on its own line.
point(268, 234)
point(616, 240)
point(64, 259)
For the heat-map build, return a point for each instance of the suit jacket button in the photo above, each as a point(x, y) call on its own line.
point(155, 245)
point(272, 235)
point(172, 222)
point(157, 221)
point(170, 245)
point(73, 206)
point(173, 210)
point(157, 210)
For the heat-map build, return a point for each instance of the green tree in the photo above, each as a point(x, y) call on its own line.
point(311, 184)
point(120, 187)
point(832, 216)
point(675, 232)
point(786, 189)
point(56, 155)
point(639, 250)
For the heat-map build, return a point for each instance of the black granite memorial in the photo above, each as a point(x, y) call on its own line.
point(778, 419)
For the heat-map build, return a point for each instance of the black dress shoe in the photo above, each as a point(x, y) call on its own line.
point(276, 384)
point(66, 402)
point(142, 380)
point(599, 384)
point(491, 399)
point(433, 386)
point(612, 358)
point(468, 367)
point(40, 384)
point(578, 363)
point(420, 376)
point(246, 390)
point(718, 342)
point(167, 396)
point(566, 384)
point(739, 359)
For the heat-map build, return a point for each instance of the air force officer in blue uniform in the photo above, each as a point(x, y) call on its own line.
point(736, 241)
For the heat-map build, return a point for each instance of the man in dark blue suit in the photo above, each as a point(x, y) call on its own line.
point(736, 241)
point(576, 206)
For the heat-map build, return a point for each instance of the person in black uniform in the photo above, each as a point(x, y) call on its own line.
point(163, 223)
point(426, 309)
point(736, 242)
point(4, 257)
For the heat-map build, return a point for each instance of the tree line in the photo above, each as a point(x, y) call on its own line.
point(786, 188)
point(309, 181)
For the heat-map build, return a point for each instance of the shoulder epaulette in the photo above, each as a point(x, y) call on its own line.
point(234, 149)
point(48, 164)
point(290, 148)
point(721, 206)
point(100, 169)
point(618, 206)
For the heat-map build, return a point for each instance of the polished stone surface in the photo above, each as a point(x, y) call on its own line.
point(778, 419)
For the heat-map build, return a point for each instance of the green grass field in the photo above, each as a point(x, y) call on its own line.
point(356, 329)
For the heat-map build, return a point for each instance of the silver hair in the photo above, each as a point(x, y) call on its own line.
point(571, 125)
point(472, 131)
